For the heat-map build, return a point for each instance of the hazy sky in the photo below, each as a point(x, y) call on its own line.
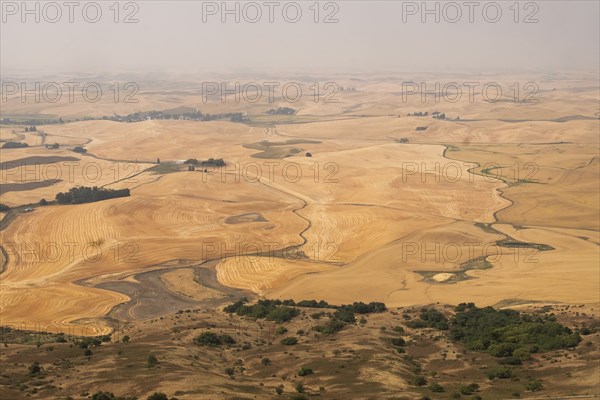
point(369, 35)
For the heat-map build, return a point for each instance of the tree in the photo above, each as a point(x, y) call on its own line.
point(229, 371)
point(4, 207)
point(43, 202)
point(84, 194)
point(279, 390)
point(79, 149)
point(158, 160)
point(14, 145)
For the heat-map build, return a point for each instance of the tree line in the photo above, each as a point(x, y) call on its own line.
point(84, 194)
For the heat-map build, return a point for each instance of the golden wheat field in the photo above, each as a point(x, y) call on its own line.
point(388, 207)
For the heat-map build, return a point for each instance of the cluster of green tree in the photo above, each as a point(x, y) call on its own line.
point(14, 145)
point(332, 326)
point(272, 310)
point(508, 333)
point(344, 315)
point(84, 194)
point(238, 117)
point(219, 162)
point(88, 342)
point(32, 128)
point(429, 318)
point(282, 111)
point(356, 307)
point(111, 396)
point(31, 122)
point(79, 149)
point(212, 339)
point(188, 116)
point(283, 310)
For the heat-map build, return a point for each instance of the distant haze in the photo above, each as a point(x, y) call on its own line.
point(370, 36)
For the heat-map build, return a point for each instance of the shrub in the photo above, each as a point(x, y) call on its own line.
point(212, 339)
point(35, 368)
point(281, 330)
point(304, 371)
point(282, 314)
point(265, 361)
point(398, 342)
point(226, 339)
point(332, 326)
point(4, 207)
point(103, 396)
point(522, 353)
point(419, 381)
point(279, 389)
point(429, 318)
point(500, 373)
point(229, 371)
point(289, 341)
point(534, 385)
point(469, 389)
point(436, 387)
point(158, 396)
point(510, 361)
point(208, 339)
point(299, 388)
point(345, 315)
point(152, 361)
